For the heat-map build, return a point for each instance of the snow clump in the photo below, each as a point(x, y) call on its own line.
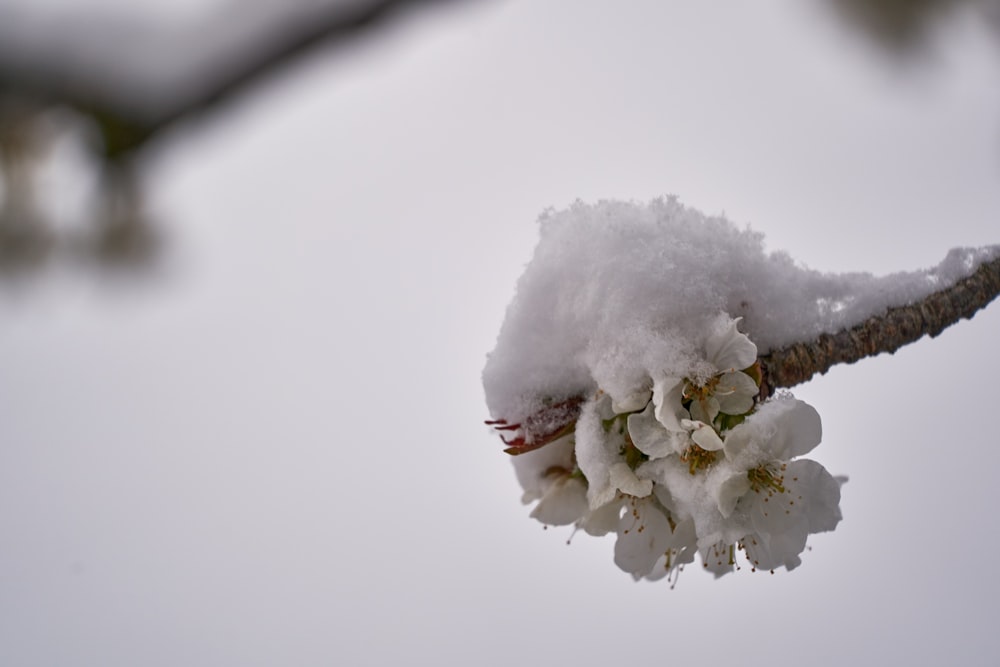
point(629, 396)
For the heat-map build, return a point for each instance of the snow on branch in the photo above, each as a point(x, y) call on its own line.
point(632, 379)
point(886, 332)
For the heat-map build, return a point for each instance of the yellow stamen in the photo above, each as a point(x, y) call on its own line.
point(697, 458)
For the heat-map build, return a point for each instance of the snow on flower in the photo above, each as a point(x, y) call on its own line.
point(642, 417)
point(720, 488)
point(726, 389)
point(756, 498)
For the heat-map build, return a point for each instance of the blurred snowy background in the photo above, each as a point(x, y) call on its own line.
point(266, 447)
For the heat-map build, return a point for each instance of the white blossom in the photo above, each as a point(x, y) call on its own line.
point(656, 468)
point(726, 348)
point(779, 431)
point(653, 439)
point(598, 455)
point(564, 501)
point(776, 502)
point(648, 536)
point(546, 475)
point(719, 383)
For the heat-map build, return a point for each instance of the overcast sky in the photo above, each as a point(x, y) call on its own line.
point(272, 452)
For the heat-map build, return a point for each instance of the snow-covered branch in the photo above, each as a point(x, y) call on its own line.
point(886, 332)
point(617, 291)
point(795, 363)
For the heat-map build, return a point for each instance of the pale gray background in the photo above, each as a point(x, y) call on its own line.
point(273, 452)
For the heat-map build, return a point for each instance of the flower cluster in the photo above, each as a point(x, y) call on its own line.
point(687, 465)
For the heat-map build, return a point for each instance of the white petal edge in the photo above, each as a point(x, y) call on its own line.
point(631, 403)
point(564, 503)
point(667, 406)
point(649, 436)
point(727, 348)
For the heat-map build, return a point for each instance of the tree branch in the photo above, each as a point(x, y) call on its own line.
point(125, 131)
point(797, 363)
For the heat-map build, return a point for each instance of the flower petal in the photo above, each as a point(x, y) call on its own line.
point(737, 445)
point(768, 552)
point(643, 536)
point(735, 404)
point(730, 491)
point(818, 491)
point(667, 402)
point(780, 529)
point(595, 454)
point(532, 467)
point(602, 520)
point(564, 503)
point(719, 558)
point(705, 409)
point(680, 551)
point(704, 435)
point(622, 478)
point(780, 430)
point(799, 428)
point(671, 561)
point(631, 403)
point(649, 435)
point(783, 520)
point(735, 392)
point(727, 348)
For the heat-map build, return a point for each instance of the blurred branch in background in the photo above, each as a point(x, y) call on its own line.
point(131, 82)
point(24, 234)
point(128, 80)
point(905, 27)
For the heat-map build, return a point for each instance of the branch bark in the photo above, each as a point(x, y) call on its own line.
point(797, 363)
